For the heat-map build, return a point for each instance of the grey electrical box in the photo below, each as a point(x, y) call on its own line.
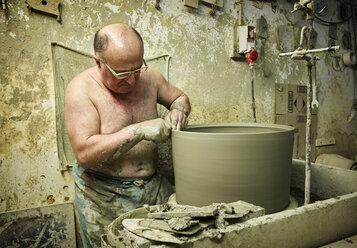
point(291, 99)
point(290, 109)
point(299, 122)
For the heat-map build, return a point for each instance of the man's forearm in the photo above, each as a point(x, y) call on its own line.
point(152, 132)
point(103, 149)
point(182, 104)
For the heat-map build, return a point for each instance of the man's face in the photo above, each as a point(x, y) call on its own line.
point(120, 75)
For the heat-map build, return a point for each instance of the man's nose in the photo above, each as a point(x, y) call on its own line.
point(131, 79)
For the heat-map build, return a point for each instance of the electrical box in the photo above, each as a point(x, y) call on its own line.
point(299, 122)
point(291, 99)
point(243, 40)
point(290, 109)
point(246, 38)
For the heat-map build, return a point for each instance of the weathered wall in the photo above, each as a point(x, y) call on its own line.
point(200, 47)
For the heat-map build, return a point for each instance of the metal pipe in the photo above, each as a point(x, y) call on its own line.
point(304, 51)
point(310, 63)
point(240, 2)
point(308, 138)
point(53, 43)
point(304, 28)
point(354, 23)
point(253, 98)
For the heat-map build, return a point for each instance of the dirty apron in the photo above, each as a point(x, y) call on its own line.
point(100, 199)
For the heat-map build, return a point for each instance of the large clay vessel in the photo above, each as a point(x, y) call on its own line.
point(230, 162)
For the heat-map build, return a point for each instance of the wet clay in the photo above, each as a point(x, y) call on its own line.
point(229, 162)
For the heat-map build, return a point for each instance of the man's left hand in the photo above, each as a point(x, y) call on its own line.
point(177, 119)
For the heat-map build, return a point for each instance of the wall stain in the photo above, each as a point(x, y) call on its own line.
point(50, 199)
point(36, 139)
point(31, 181)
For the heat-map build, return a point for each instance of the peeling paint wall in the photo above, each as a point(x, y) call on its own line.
point(199, 45)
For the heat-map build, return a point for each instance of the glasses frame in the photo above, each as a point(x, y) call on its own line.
point(127, 74)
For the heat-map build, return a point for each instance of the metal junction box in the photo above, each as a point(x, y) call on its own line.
point(290, 109)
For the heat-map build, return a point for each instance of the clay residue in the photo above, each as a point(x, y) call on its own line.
point(121, 150)
point(181, 223)
point(178, 224)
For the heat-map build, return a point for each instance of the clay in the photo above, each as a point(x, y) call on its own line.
point(122, 149)
point(162, 225)
point(230, 162)
point(179, 224)
point(180, 211)
point(153, 130)
point(137, 228)
point(156, 130)
point(149, 233)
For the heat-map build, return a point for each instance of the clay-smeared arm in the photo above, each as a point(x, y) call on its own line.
point(90, 146)
point(156, 130)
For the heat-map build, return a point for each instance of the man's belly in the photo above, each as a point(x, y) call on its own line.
point(139, 161)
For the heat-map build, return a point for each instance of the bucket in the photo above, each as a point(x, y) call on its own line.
point(216, 163)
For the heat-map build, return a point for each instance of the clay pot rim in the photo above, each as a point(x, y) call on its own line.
point(273, 128)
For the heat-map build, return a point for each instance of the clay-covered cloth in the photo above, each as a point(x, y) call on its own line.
point(100, 199)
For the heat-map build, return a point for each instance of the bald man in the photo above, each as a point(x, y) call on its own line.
point(113, 126)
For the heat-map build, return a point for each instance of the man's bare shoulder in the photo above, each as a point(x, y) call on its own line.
point(79, 91)
point(82, 80)
point(154, 76)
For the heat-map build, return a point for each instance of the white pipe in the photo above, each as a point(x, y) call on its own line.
point(304, 51)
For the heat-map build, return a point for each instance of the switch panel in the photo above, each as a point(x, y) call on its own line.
point(246, 38)
point(243, 41)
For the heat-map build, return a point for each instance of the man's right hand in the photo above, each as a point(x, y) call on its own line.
point(156, 130)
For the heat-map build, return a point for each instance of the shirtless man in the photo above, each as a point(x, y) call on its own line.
point(113, 126)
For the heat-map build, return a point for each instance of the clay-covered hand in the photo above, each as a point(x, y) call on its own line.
point(156, 130)
point(177, 119)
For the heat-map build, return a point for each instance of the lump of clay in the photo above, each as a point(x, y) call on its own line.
point(181, 223)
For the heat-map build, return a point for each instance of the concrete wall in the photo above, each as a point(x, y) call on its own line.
point(200, 47)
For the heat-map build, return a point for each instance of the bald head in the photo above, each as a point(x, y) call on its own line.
point(117, 38)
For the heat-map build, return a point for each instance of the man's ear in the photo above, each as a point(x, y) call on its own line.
point(97, 61)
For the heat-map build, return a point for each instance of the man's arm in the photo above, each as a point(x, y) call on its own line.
point(173, 99)
point(83, 126)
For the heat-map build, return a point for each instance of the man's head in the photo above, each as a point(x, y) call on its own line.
point(118, 48)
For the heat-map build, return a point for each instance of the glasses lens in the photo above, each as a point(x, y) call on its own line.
point(124, 75)
point(136, 72)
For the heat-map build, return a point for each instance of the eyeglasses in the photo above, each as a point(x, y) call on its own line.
point(126, 74)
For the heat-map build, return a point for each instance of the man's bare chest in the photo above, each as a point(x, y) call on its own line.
point(116, 113)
